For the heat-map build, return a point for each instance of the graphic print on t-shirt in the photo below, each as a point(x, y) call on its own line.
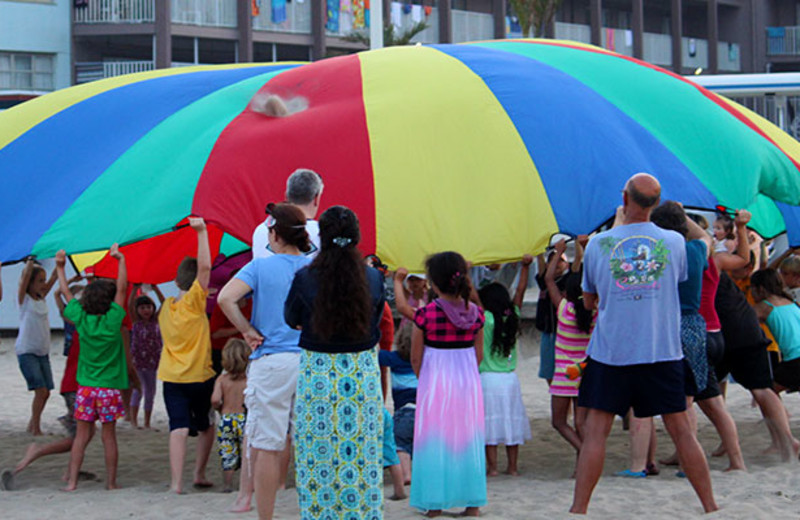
point(636, 262)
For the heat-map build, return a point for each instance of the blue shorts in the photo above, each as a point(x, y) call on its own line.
point(547, 355)
point(650, 389)
point(404, 429)
point(188, 405)
point(36, 371)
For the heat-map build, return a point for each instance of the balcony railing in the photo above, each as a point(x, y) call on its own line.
point(783, 41)
point(617, 40)
point(470, 26)
point(298, 18)
point(694, 53)
point(573, 32)
point(117, 11)
point(657, 49)
point(92, 71)
point(209, 13)
point(729, 57)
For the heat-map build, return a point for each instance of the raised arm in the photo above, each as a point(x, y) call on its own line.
point(228, 300)
point(550, 275)
point(580, 247)
point(122, 275)
point(63, 284)
point(50, 283)
point(698, 233)
point(132, 304)
point(59, 298)
point(400, 298)
point(728, 261)
point(25, 279)
point(203, 252)
point(522, 284)
point(159, 294)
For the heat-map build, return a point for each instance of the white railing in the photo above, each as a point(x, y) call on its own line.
point(298, 18)
point(209, 13)
point(469, 26)
point(729, 57)
point(92, 71)
point(658, 49)
point(695, 53)
point(617, 40)
point(574, 32)
point(116, 11)
point(783, 41)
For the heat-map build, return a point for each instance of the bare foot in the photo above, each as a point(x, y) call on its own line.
point(669, 461)
point(769, 450)
point(242, 505)
point(471, 511)
point(433, 513)
point(734, 468)
point(492, 473)
point(70, 487)
point(30, 453)
point(512, 472)
point(177, 491)
point(398, 497)
point(720, 451)
point(112, 486)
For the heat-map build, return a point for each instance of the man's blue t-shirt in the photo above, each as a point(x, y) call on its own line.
point(270, 279)
point(689, 290)
point(635, 270)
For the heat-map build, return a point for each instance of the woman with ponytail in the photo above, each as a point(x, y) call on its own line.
point(337, 304)
point(506, 420)
point(449, 465)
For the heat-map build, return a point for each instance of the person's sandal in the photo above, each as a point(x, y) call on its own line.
point(631, 474)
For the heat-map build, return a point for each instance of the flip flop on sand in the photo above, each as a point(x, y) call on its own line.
point(202, 485)
point(7, 480)
point(631, 474)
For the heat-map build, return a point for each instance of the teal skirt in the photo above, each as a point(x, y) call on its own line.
point(338, 436)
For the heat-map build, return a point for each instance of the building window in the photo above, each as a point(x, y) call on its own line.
point(26, 71)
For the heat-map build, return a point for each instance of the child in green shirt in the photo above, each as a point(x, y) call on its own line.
point(102, 365)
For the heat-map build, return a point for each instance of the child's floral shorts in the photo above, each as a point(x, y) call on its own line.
point(93, 403)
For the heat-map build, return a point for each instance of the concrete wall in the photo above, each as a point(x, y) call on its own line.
point(38, 27)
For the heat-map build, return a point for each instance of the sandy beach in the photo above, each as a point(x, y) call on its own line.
point(543, 490)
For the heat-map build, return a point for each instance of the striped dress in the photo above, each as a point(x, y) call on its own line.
point(571, 343)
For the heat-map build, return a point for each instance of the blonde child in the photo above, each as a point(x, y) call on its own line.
point(185, 364)
point(102, 365)
point(228, 400)
point(33, 341)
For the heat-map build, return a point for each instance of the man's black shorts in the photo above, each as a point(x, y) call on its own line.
point(188, 405)
point(650, 389)
point(749, 366)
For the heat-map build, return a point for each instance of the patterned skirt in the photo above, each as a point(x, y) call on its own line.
point(338, 436)
point(449, 465)
point(693, 341)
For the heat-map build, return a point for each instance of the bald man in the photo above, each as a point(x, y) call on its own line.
point(631, 275)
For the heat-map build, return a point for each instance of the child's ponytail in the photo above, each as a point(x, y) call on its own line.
point(495, 299)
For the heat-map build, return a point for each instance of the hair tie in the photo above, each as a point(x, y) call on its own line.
point(342, 241)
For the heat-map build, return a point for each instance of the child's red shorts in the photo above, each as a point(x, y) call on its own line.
point(93, 403)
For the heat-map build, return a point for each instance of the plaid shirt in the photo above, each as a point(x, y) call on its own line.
point(441, 333)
